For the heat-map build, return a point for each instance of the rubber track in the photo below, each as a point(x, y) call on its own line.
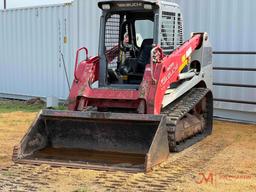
point(177, 110)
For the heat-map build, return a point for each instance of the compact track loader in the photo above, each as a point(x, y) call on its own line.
point(146, 94)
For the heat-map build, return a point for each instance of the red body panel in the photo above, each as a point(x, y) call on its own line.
point(148, 99)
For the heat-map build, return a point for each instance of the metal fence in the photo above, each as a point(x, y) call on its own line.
point(231, 29)
point(235, 97)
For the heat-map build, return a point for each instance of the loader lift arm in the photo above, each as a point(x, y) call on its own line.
point(165, 72)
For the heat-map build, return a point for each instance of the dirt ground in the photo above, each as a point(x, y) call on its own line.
point(225, 161)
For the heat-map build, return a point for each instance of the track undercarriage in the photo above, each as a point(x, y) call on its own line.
point(189, 119)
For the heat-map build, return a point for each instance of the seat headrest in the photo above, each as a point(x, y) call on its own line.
point(146, 42)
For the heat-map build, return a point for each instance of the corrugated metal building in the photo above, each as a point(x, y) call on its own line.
point(32, 41)
point(31, 45)
point(231, 28)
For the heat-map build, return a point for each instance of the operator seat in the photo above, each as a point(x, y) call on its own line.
point(137, 65)
point(144, 55)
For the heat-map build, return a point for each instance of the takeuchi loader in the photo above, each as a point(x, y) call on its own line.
point(146, 94)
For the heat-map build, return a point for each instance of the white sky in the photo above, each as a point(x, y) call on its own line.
point(25, 3)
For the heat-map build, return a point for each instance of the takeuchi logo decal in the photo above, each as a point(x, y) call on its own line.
point(135, 4)
point(171, 69)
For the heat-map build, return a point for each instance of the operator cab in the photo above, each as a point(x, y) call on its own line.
point(129, 31)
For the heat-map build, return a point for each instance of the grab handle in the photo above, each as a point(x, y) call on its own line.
point(77, 56)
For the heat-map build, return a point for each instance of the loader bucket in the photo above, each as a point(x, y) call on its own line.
point(108, 141)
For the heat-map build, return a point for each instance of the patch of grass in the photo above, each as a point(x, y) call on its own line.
point(61, 107)
point(81, 190)
point(238, 137)
point(13, 106)
point(3, 157)
point(7, 174)
point(7, 106)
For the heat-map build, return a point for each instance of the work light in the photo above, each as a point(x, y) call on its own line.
point(106, 6)
point(148, 6)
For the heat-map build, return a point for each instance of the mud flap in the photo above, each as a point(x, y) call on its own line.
point(108, 141)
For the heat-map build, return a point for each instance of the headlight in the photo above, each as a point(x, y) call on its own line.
point(105, 6)
point(148, 6)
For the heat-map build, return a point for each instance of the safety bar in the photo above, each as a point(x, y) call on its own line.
point(77, 56)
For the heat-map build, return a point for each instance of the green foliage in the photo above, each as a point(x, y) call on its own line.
point(61, 107)
point(7, 106)
point(81, 190)
point(7, 173)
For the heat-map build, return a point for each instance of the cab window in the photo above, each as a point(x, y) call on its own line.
point(144, 30)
